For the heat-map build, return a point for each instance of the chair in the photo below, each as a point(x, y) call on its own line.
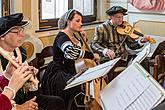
point(46, 53)
point(159, 50)
point(40, 61)
point(159, 69)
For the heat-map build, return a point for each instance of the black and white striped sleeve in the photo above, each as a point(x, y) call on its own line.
point(71, 51)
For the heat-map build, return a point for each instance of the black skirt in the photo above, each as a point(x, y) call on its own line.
point(54, 82)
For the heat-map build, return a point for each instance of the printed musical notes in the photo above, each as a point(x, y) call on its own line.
point(133, 89)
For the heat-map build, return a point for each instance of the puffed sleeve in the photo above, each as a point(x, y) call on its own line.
point(3, 82)
point(5, 103)
point(72, 51)
point(97, 39)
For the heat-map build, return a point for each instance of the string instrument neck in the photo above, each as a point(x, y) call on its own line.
point(138, 33)
point(85, 43)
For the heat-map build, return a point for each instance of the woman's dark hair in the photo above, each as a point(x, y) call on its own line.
point(71, 16)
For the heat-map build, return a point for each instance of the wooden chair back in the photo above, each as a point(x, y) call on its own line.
point(159, 69)
point(39, 61)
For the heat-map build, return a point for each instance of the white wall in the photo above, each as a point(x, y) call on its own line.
point(134, 14)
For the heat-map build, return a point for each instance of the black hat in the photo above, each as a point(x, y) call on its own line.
point(116, 9)
point(9, 22)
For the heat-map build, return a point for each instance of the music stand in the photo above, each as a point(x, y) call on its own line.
point(93, 73)
point(133, 89)
point(93, 79)
point(143, 54)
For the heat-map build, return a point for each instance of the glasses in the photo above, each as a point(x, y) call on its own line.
point(17, 31)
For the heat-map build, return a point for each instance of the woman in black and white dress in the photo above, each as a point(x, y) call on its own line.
point(67, 49)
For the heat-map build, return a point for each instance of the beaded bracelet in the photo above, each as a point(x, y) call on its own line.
point(14, 106)
point(7, 87)
point(13, 103)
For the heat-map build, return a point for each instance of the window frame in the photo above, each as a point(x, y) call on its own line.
point(49, 24)
point(5, 7)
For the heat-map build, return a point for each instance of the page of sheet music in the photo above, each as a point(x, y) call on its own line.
point(143, 54)
point(131, 90)
point(93, 73)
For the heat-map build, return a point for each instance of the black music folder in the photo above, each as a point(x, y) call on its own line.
point(93, 73)
point(133, 89)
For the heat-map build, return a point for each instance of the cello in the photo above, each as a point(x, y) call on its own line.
point(90, 103)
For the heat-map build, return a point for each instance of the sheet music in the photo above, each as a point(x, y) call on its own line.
point(133, 89)
point(93, 73)
point(154, 46)
point(143, 54)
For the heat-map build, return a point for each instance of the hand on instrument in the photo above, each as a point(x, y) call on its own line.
point(19, 77)
point(97, 58)
point(10, 68)
point(110, 54)
point(34, 81)
point(32, 68)
point(145, 39)
point(17, 80)
point(83, 33)
point(28, 105)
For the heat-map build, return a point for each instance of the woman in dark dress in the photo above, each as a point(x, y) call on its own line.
point(67, 49)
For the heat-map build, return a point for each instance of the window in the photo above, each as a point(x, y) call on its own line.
point(4, 7)
point(52, 10)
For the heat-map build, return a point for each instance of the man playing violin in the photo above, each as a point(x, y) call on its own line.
point(110, 44)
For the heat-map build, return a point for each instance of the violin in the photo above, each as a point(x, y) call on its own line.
point(127, 29)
